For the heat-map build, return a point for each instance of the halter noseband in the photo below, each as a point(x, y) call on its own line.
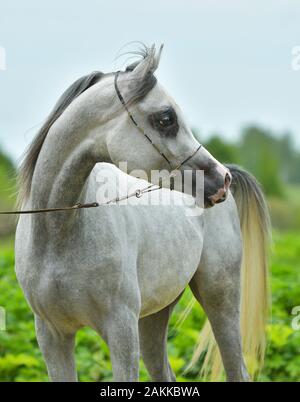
point(145, 134)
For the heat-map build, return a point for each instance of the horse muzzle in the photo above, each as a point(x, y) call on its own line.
point(221, 193)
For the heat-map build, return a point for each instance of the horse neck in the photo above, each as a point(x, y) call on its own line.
point(72, 148)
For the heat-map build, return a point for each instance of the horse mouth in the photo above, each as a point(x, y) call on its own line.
point(217, 198)
point(210, 203)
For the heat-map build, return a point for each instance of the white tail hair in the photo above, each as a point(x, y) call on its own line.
point(256, 233)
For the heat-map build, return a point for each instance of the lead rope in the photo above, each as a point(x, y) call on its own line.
point(138, 194)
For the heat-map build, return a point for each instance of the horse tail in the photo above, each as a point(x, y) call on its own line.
point(256, 234)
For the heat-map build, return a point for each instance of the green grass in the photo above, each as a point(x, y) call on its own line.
point(285, 210)
point(20, 358)
point(7, 194)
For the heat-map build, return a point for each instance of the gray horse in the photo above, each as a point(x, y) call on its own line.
point(121, 269)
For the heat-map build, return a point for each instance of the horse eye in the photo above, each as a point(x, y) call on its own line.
point(166, 120)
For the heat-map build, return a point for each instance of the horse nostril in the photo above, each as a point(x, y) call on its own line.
point(227, 180)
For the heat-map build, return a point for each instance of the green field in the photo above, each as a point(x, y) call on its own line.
point(20, 358)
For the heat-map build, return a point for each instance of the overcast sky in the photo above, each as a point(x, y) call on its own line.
point(227, 63)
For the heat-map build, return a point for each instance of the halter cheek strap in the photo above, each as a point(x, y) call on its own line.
point(134, 121)
point(142, 130)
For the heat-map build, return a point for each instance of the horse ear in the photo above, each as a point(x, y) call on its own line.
point(140, 79)
point(148, 65)
point(158, 56)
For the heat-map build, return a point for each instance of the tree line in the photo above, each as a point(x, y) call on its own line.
point(274, 160)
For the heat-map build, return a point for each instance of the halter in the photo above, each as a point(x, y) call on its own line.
point(138, 193)
point(145, 134)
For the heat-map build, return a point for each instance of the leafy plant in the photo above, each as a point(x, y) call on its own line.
point(21, 360)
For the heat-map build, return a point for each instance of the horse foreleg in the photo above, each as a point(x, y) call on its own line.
point(120, 331)
point(58, 351)
point(153, 331)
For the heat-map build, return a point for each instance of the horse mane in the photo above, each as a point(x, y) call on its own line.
point(30, 158)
